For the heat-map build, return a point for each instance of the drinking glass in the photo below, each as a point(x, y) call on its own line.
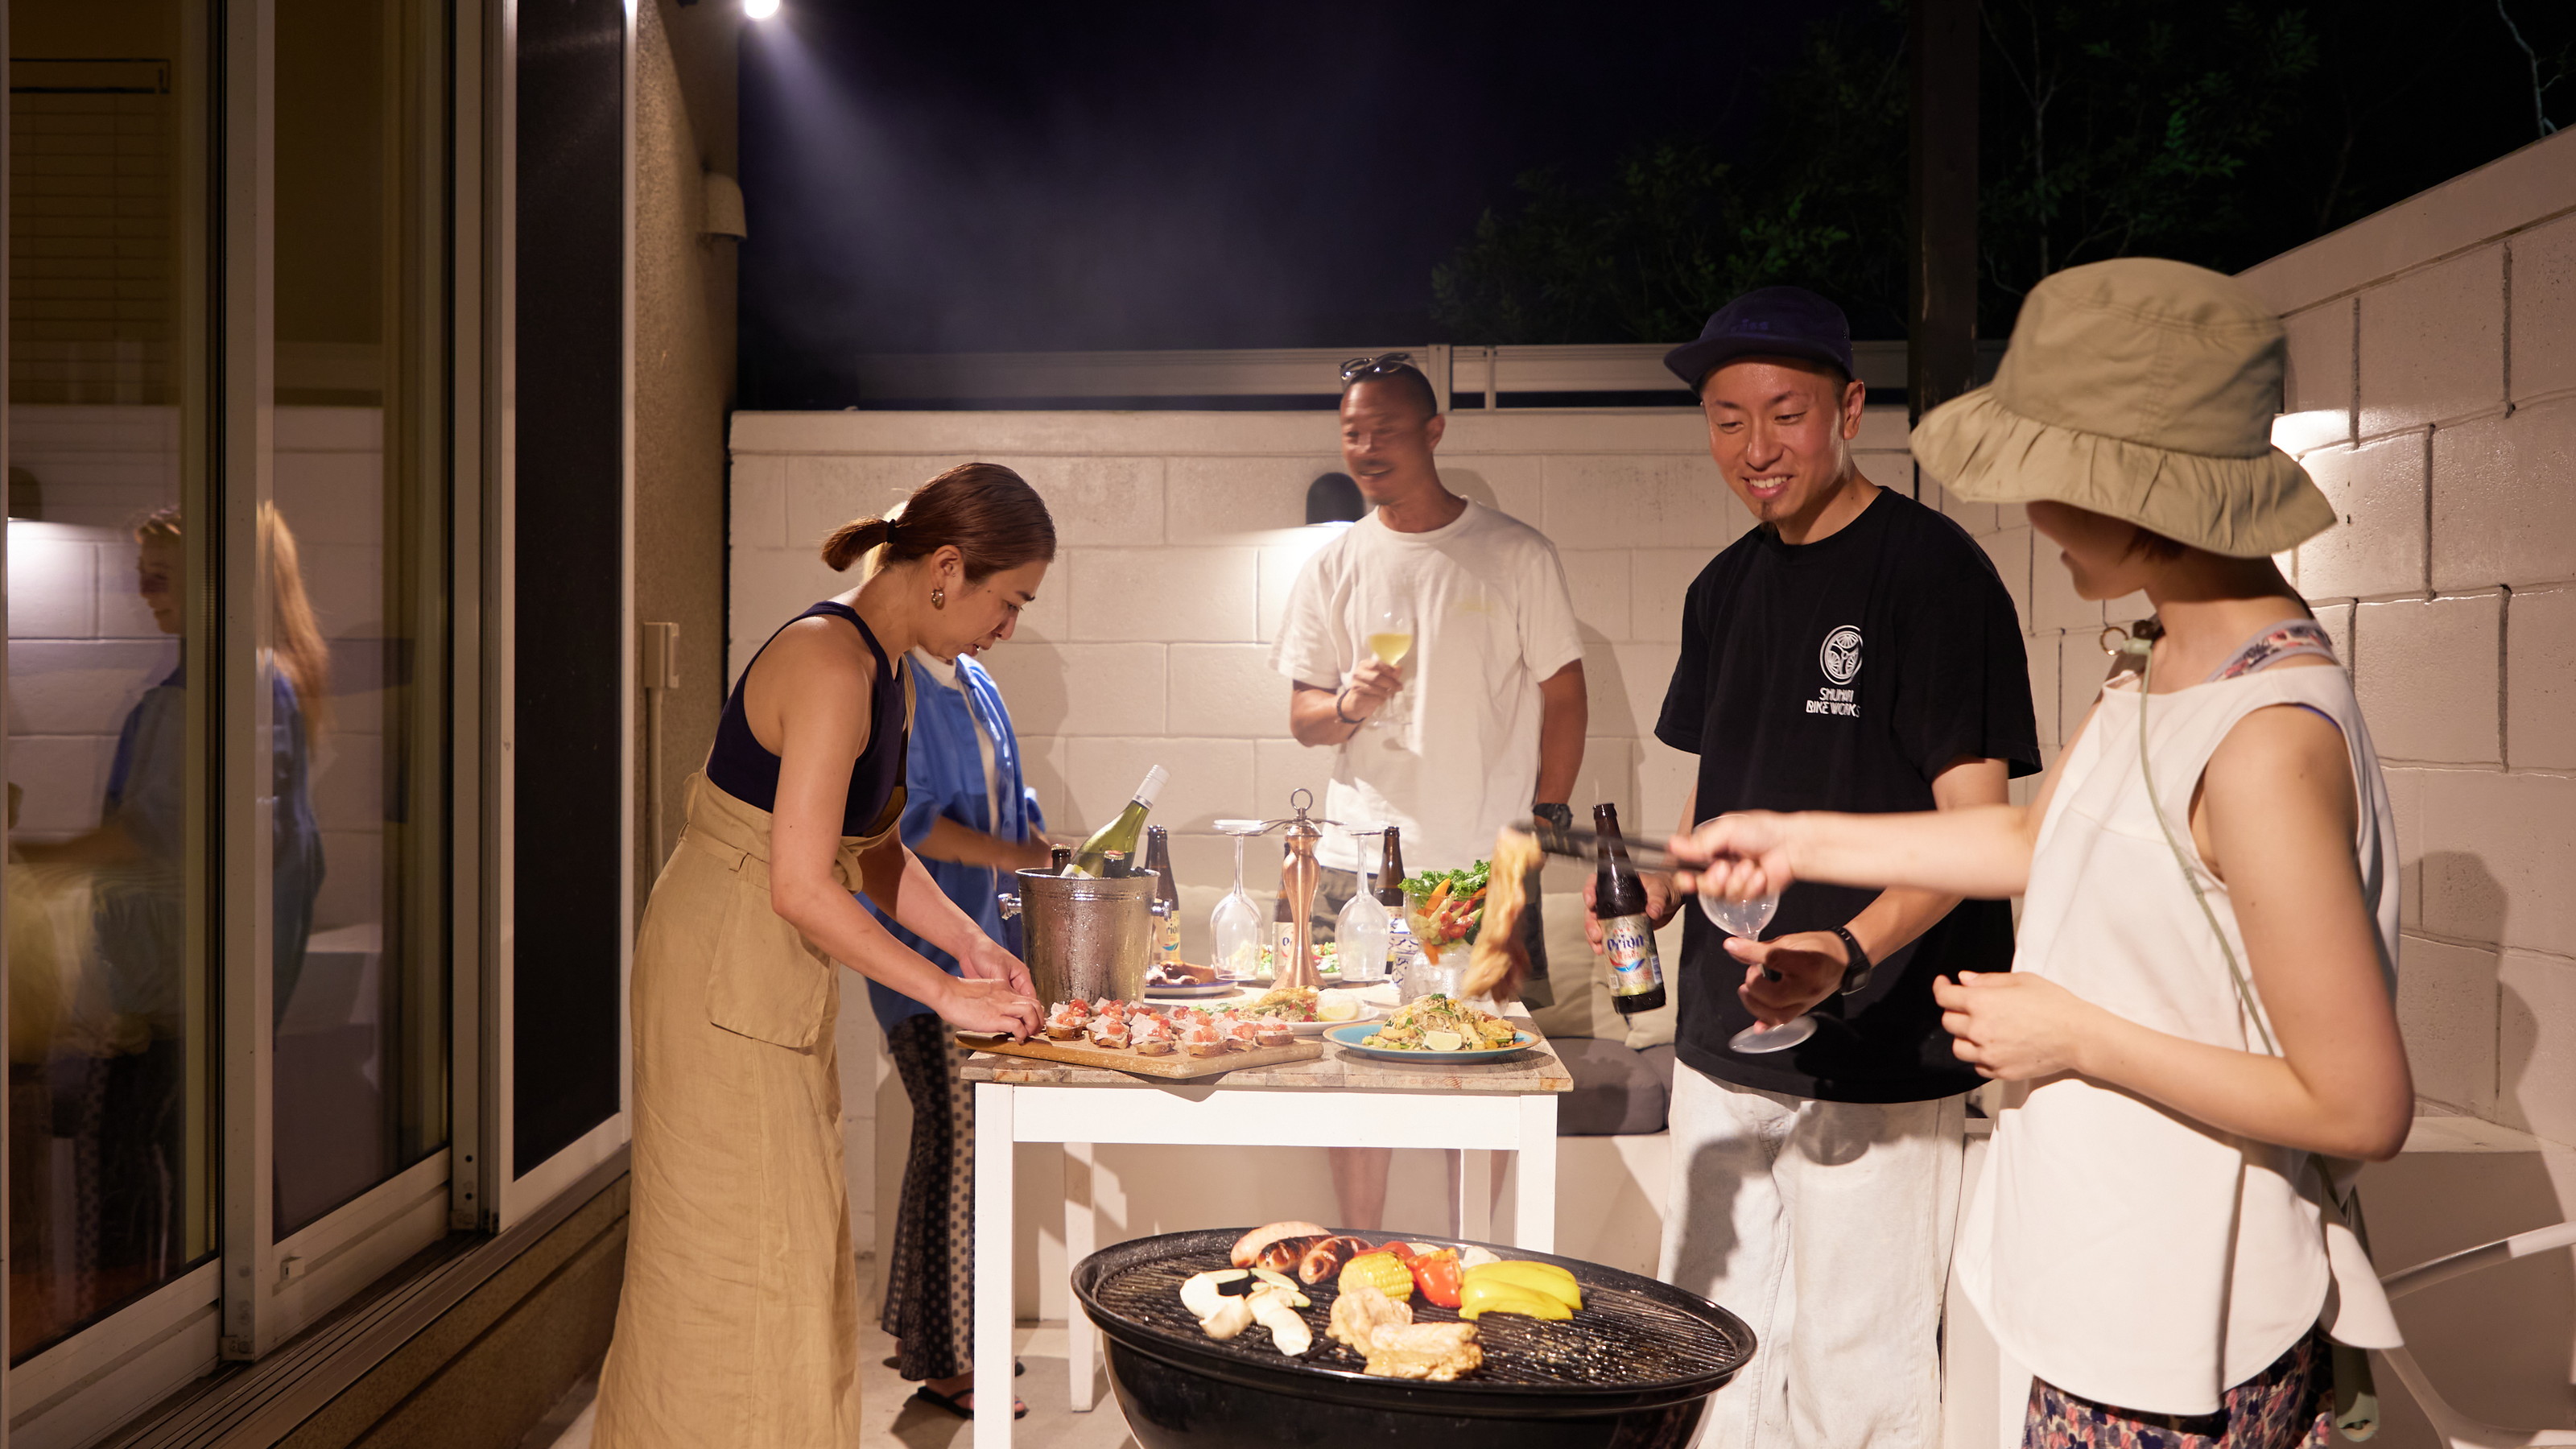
point(1746, 917)
point(1361, 930)
point(1235, 926)
point(1390, 639)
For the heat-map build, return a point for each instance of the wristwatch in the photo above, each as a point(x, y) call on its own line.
point(1560, 816)
point(1855, 975)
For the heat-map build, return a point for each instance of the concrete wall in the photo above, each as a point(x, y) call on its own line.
point(1181, 534)
point(2433, 394)
point(684, 371)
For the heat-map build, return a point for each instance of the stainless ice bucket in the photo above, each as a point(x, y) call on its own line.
point(1085, 938)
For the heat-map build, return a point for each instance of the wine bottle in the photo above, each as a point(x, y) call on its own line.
point(1283, 936)
point(1123, 834)
point(1167, 931)
point(1627, 935)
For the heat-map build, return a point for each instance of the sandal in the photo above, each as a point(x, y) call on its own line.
point(937, 1400)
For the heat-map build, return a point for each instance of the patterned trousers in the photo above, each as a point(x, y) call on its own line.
point(930, 1283)
point(2286, 1406)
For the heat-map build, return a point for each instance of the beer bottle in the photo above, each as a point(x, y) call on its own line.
point(1060, 857)
point(1167, 929)
point(1627, 936)
point(1390, 873)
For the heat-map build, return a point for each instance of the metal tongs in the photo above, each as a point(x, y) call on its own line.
point(1573, 842)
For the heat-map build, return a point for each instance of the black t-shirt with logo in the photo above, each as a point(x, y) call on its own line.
point(1845, 674)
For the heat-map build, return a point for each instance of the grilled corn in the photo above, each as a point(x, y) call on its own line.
point(1378, 1270)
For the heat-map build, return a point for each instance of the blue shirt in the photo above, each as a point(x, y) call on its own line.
point(946, 779)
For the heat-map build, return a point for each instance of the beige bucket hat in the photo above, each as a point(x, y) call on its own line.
point(2143, 389)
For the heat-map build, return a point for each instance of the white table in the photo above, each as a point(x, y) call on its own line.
point(1336, 1101)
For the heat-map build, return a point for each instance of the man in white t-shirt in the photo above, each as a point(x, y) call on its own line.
point(1479, 724)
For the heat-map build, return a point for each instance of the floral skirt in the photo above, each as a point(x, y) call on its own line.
point(2289, 1405)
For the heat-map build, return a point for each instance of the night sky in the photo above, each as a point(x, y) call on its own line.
point(1016, 175)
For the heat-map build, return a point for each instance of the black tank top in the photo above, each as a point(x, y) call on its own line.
point(739, 766)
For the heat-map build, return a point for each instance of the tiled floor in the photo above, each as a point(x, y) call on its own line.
point(890, 1418)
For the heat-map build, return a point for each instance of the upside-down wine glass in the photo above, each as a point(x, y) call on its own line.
point(1361, 931)
point(1235, 926)
point(1746, 916)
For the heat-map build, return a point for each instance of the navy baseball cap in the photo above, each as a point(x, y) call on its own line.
point(1766, 322)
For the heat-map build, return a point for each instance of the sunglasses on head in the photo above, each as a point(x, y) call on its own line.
point(1379, 366)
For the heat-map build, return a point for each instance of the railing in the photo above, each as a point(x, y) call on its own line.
point(1490, 375)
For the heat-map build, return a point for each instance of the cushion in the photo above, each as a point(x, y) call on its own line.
point(1618, 1091)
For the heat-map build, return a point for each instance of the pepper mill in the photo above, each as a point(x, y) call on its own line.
point(1298, 877)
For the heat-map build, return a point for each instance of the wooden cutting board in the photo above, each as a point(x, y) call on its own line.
point(1178, 1066)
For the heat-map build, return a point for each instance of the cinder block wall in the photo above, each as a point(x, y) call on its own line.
point(2433, 394)
point(1181, 535)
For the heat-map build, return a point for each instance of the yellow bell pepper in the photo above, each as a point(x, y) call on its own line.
point(1381, 1271)
point(1484, 1294)
point(1542, 1278)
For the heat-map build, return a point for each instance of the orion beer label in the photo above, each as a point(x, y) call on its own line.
point(1629, 941)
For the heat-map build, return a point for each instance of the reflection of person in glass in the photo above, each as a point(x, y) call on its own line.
point(118, 1083)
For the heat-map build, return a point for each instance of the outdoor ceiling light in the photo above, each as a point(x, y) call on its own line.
point(1334, 498)
point(759, 9)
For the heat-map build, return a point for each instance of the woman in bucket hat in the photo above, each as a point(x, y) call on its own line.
point(2199, 1032)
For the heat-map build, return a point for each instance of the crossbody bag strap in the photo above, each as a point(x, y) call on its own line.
point(2356, 1394)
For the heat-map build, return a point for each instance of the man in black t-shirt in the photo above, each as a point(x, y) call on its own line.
point(1855, 651)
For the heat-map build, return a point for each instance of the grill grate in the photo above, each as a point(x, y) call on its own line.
point(1625, 1337)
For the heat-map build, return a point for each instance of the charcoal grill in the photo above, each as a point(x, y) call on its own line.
point(1633, 1370)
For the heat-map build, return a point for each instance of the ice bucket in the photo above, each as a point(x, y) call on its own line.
point(1085, 938)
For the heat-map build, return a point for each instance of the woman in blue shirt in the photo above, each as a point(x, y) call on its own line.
point(971, 819)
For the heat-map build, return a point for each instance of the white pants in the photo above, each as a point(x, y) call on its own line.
point(1826, 1226)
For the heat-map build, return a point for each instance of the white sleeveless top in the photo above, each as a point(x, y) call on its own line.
point(2123, 1252)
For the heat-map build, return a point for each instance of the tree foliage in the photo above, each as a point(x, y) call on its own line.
point(2216, 131)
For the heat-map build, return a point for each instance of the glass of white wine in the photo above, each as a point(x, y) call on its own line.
point(1390, 639)
point(1747, 917)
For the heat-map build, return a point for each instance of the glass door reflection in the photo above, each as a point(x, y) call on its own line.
point(357, 642)
point(111, 1127)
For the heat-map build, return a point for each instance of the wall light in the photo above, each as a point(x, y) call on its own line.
point(759, 9)
point(1334, 498)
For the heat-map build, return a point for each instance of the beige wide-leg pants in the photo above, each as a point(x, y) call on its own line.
point(739, 1328)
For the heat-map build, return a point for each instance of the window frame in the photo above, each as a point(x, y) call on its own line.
point(257, 1291)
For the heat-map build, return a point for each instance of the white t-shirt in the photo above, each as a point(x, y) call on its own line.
point(1491, 618)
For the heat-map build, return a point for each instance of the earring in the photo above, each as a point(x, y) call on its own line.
point(939, 598)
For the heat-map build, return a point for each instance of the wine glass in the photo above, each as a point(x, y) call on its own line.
point(1746, 916)
point(1390, 639)
point(1235, 926)
point(1361, 929)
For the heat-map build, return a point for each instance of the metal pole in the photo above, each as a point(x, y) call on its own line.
point(1941, 317)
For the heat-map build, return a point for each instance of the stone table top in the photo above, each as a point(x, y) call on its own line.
point(1534, 1069)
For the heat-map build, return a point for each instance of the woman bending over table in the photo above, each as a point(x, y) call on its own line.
point(2198, 1027)
point(740, 1319)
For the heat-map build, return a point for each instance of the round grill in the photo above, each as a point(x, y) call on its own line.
point(1636, 1342)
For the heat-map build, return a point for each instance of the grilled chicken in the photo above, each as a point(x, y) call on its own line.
point(1360, 1313)
point(1436, 1351)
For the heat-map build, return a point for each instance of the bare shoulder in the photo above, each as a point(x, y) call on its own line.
point(2283, 757)
point(814, 658)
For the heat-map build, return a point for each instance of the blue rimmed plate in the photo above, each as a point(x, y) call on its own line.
point(1354, 1038)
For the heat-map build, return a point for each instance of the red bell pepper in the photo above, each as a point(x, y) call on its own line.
point(1437, 1277)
